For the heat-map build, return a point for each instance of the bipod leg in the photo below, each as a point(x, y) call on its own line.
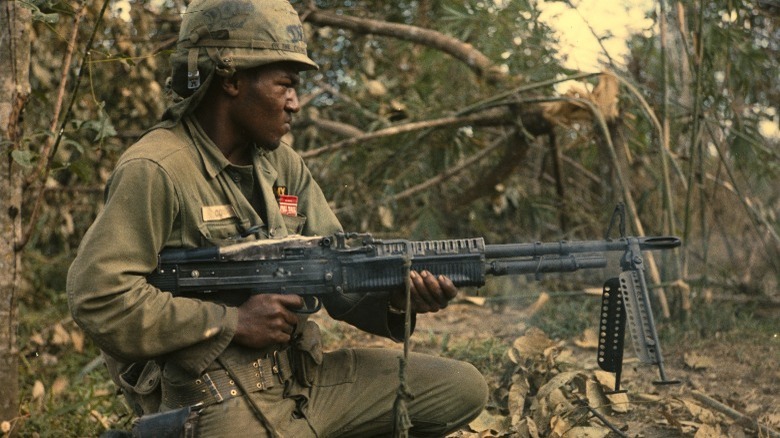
point(637, 305)
point(662, 375)
point(612, 329)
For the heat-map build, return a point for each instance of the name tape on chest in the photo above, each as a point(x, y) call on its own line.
point(212, 213)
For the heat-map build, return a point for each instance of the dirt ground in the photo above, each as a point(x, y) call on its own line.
point(727, 388)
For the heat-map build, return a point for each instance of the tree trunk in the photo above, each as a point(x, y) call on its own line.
point(15, 32)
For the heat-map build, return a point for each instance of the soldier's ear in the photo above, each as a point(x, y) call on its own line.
point(231, 84)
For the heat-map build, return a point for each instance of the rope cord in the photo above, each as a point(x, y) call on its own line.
point(402, 422)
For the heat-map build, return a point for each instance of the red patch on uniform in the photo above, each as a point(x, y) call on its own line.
point(288, 205)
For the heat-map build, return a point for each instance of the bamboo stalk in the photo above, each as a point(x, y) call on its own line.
point(648, 110)
point(695, 142)
point(665, 129)
point(652, 267)
point(746, 200)
point(668, 199)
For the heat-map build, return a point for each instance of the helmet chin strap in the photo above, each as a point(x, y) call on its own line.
point(176, 112)
point(193, 74)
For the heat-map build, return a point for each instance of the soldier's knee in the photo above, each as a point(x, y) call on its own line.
point(466, 398)
point(472, 390)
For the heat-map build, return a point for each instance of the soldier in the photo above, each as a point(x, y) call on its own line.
point(214, 172)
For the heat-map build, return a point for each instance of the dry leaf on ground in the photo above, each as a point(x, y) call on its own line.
point(588, 339)
point(698, 361)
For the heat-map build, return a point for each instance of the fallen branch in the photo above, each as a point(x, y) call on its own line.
point(740, 418)
point(764, 302)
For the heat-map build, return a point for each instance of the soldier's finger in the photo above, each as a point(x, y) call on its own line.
point(429, 291)
point(291, 301)
point(418, 304)
point(439, 288)
point(448, 287)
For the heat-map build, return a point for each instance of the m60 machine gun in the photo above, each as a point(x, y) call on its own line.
point(345, 263)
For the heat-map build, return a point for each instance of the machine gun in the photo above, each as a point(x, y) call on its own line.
point(313, 267)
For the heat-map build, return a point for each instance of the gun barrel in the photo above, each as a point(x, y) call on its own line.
point(569, 263)
point(564, 247)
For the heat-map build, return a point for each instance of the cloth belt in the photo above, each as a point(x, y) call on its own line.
point(218, 386)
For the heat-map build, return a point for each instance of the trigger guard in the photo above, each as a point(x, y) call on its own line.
point(311, 304)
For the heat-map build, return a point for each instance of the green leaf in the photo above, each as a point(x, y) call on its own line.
point(23, 158)
point(38, 15)
point(83, 170)
point(102, 126)
point(73, 143)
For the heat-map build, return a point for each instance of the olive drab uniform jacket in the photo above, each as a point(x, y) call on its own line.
point(174, 188)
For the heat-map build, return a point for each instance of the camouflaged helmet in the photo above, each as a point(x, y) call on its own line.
point(221, 36)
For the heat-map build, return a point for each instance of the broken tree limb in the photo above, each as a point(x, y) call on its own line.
point(740, 418)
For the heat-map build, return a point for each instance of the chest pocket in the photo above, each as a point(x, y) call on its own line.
point(294, 224)
point(222, 232)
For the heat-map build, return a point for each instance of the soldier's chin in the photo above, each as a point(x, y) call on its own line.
point(287, 138)
point(271, 146)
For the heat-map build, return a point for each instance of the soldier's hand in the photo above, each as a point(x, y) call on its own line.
point(267, 319)
point(429, 293)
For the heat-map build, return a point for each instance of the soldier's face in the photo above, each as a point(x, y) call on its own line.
point(265, 102)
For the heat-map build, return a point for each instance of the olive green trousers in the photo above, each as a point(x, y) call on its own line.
point(352, 395)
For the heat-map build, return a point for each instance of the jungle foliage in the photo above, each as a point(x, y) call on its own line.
point(434, 138)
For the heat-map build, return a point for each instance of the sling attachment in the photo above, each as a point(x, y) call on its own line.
point(619, 215)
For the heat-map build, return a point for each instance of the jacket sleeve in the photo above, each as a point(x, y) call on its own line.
point(106, 287)
point(367, 312)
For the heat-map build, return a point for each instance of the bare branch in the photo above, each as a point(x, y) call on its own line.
point(338, 128)
point(514, 153)
point(55, 120)
point(491, 116)
point(449, 173)
point(440, 178)
point(465, 52)
point(47, 168)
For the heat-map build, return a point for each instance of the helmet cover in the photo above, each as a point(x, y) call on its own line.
point(225, 35)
